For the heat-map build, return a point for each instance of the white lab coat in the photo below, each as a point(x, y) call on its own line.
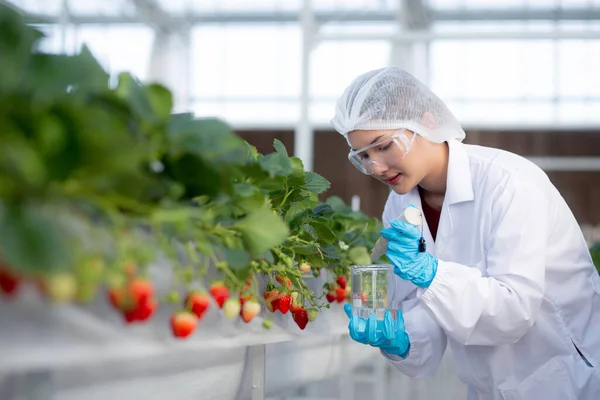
point(515, 288)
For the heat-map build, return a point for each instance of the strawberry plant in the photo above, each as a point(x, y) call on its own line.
point(98, 180)
point(595, 251)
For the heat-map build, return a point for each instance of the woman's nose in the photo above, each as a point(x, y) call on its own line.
point(378, 169)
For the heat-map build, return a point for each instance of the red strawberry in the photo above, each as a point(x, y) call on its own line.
point(9, 282)
point(197, 302)
point(341, 294)
point(121, 299)
point(130, 316)
point(146, 309)
point(272, 300)
point(219, 292)
point(341, 280)
point(295, 308)
point(249, 310)
point(330, 297)
point(301, 318)
point(141, 312)
point(183, 324)
point(141, 290)
point(285, 302)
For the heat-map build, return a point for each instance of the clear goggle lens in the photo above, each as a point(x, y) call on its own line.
point(382, 153)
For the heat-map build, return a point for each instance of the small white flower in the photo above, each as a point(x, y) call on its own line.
point(157, 166)
point(343, 245)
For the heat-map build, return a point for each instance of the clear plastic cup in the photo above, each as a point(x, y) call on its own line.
point(370, 290)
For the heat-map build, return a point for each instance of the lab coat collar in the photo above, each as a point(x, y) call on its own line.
point(459, 186)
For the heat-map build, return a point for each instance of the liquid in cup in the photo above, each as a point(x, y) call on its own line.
point(370, 289)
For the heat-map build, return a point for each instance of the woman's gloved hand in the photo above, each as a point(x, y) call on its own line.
point(387, 334)
point(403, 252)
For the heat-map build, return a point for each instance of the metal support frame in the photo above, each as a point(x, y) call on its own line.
point(170, 64)
point(346, 383)
point(151, 13)
point(426, 35)
point(31, 385)
point(579, 163)
point(259, 364)
point(304, 133)
point(324, 16)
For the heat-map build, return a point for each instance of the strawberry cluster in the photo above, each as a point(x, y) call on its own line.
point(339, 291)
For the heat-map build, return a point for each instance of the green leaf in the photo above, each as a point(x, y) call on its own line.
point(244, 189)
point(248, 197)
point(280, 148)
point(268, 257)
point(332, 252)
point(304, 250)
point(198, 176)
point(316, 183)
point(208, 138)
point(297, 177)
point(31, 242)
point(297, 166)
point(131, 90)
point(237, 258)
point(276, 165)
point(161, 100)
point(262, 230)
point(595, 252)
point(323, 210)
point(324, 233)
point(338, 205)
point(297, 209)
point(359, 255)
point(306, 228)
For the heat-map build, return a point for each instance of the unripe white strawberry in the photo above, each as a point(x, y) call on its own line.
point(231, 307)
point(304, 267)
point(250, 309)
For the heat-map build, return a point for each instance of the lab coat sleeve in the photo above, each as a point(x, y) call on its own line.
point(497, 307)
point(427, 345)
point(427, 339)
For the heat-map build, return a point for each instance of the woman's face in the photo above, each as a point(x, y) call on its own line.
point(396, 163)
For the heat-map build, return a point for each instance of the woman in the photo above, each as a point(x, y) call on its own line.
point(505, 276)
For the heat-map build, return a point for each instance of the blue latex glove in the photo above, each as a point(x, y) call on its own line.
point(388, 335)
point(403, 253)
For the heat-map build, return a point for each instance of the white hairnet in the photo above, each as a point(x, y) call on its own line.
point(391, 98)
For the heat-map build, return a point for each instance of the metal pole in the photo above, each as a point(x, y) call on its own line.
point(64, 25)
point(304, 134)
point(258, 355)
point(39, 385)
point(346, 376)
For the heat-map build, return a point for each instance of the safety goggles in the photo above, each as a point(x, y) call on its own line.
point(382, 153)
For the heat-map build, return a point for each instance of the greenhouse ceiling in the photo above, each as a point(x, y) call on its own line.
point(422, 12)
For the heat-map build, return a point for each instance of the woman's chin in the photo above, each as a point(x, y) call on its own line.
point(401, 187)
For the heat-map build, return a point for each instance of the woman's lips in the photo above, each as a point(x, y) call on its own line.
point(394, 180)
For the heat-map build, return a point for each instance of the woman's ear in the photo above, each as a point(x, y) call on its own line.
point(428, 120)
